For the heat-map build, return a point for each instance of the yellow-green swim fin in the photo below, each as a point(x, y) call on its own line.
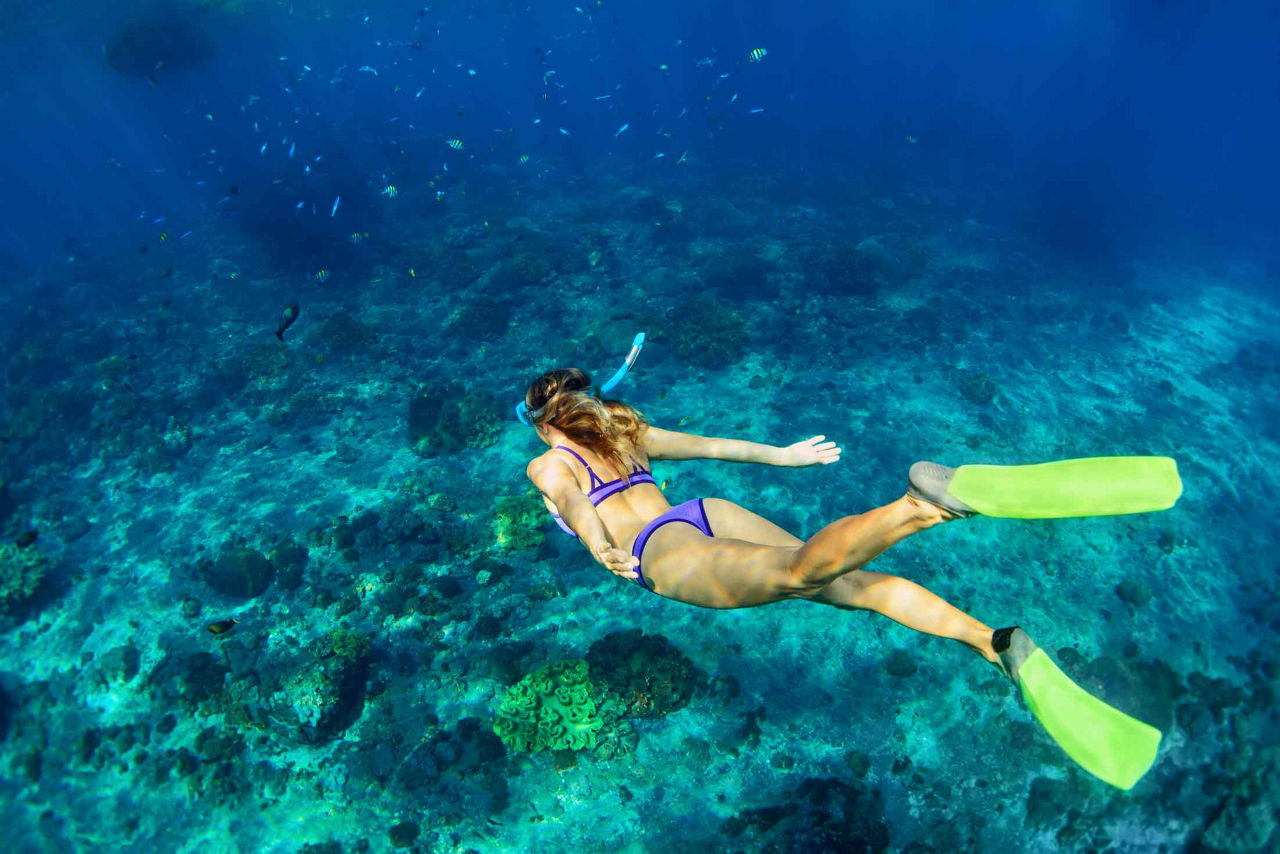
point(1093, 486)
point(1103, 740)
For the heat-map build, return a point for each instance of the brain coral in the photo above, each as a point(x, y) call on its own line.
point(555, 708)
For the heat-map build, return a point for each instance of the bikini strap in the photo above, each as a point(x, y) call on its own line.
point(595, 478)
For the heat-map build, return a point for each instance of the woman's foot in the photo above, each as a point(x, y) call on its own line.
point(929, 482)
point(926, 512)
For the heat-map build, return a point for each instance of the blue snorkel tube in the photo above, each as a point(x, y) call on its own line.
point(522, 411)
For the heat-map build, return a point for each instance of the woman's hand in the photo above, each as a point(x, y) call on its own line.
point(617, 561)
point(811, 452)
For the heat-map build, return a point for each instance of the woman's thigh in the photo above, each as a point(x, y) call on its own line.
point(679, 562)
point(738, 523)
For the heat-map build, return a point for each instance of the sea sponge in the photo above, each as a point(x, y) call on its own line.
point(554, 708)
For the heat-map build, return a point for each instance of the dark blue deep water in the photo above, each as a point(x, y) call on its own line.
point(1001, 233)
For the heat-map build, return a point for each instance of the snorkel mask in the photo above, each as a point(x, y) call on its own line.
point(527, 417)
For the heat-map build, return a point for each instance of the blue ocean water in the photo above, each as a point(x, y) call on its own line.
point(273, 276)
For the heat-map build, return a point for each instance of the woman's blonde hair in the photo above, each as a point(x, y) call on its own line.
point(563, 399)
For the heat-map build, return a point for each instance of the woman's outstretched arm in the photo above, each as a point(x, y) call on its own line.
point(670, 445)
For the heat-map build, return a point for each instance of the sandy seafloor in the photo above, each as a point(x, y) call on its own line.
point(149, 432)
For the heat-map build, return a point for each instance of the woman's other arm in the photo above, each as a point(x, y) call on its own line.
point(670, 445)
point(556, 481)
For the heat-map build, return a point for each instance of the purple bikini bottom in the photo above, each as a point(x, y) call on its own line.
point(690, 511)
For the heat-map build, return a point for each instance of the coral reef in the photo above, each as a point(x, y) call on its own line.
point(21, 570)
point(558, 707)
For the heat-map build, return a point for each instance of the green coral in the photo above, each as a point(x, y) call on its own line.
point(20, 572)
point(554, 708)
point(348, 645)
point(518, 522)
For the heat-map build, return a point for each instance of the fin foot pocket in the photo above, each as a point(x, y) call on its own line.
point(930, 481)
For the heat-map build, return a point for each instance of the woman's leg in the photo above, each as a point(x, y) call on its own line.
point(727, 571)
point(852, 542)
point(909, 604)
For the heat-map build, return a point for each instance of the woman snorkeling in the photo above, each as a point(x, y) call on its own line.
point(596, 481)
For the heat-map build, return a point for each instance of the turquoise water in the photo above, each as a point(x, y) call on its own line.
point(354, 494)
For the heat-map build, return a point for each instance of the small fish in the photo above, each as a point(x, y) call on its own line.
point(288, 316)
point(292, 146)
point(263, 150)
point(602, 97)
point(734, 98)
point(455, 144)
point(683, 421)
point(420, 91)
point(164, 237)
point(911, 140)
point(299, 206)
point(524, 158)
point(369, 68)
point(167, 272)
point(618, 133)
point(659, 155)
point(321, 275)
point(390, 191)
point(439, 195)
point(705, 62)
point(563, 131)
point(665, 483)
point(337, 200)
point(756, 110)
point(683, 158)
point(357, 237)
point(222, 626)
point(757, 54)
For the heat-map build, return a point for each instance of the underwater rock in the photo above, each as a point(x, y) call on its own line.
point(21, 570)
point(345, 335)
point(647, 673)
point(460, 773)
point(290, 559)
point(189, 679)
point(1147, 690)
point(119, 664)
point(821, 815)
point(704, 333)
point(1136, 593)
point(1047, 802)
point(976, 387)
point(239, 572)
point(740, 276)
point(403, 834)
point(901, 664)
point(326, 697)
point(444, 419)
point(859, 763)
point(1241, 827)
